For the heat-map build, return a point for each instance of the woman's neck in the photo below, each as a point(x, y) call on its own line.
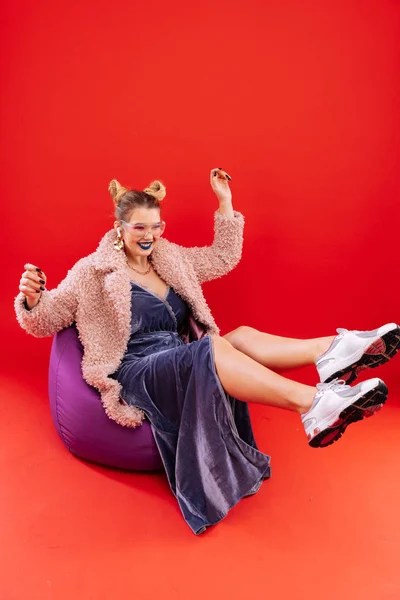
point(140, 262)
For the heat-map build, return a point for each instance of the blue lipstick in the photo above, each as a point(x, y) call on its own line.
point(145, 245)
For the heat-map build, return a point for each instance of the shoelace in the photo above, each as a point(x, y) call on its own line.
point(336, 384)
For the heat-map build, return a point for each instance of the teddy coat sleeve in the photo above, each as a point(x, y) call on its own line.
point(56, 308)
point(211, 262)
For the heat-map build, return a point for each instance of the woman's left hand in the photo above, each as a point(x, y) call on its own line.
point(219, 180)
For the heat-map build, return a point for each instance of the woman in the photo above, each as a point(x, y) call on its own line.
point(152, 349)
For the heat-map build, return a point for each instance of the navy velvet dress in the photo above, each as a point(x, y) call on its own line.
point(204, 436)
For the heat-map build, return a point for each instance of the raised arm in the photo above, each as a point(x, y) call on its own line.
point(55, 309)
point(211, 262)
point(223, 255)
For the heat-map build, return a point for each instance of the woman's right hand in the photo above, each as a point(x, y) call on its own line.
point(32, 284)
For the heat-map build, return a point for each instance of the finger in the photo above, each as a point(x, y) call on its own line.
point(34, 277)
point(219, 173)
point(30, 267)
point(218, 181)
point(224, 174)
point(40, 277)
point(36, 272)
point(31, 283)
point(28, 290)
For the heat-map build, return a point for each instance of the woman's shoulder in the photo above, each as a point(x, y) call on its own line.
point(103, 258)
point(80, 271)
point(85, 265)
point(168, 250)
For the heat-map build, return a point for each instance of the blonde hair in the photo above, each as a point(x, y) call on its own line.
point(126, 200)
point(156, 189)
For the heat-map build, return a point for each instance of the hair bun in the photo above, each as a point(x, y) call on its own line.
point(116, 191)
point(157, 190)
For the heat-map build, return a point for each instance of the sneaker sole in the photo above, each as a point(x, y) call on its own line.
point(379, 353)
point(364, 407)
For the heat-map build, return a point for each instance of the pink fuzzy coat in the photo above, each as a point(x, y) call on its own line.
point(96, 294)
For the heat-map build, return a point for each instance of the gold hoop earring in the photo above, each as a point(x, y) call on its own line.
point(119, 242)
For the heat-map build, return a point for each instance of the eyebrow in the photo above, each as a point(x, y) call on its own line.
point(156, 223)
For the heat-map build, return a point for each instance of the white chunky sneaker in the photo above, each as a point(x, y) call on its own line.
point(353, 351)
point(336, 405)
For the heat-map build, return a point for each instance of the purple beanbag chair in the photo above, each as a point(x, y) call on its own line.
point(81, 421)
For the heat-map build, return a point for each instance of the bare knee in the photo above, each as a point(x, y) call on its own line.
point(220, 342)
point(222, 348)
point(237, 335)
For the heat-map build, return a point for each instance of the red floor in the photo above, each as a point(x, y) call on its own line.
point(326, 525)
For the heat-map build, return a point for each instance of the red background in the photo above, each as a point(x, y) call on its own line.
point(298, 101)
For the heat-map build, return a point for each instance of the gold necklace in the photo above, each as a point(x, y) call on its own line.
point(140, 272)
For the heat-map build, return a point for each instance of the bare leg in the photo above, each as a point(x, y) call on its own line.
point(247, 380)
point(277, 352)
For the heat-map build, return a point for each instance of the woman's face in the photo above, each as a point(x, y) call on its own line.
point(142, 232)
